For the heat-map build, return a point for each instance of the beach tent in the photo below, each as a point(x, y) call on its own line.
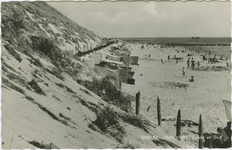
point(228, 109)
point(99, 54)
point(113, 57)
point(123, 74)
point(96, 57)
point(89, 62)
point(113, 48)
point(126, 60)
point(111, 61)
point(134, 60)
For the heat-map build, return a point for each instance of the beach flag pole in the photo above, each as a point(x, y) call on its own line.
point(137, 103)
point(178, 125)
point(158, 111)
point(200, 144)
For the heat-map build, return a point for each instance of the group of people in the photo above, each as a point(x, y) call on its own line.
point(212, 60)
point(192, 62)
point(184, 75)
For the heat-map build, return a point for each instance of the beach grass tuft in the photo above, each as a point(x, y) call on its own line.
point(136, 121)
point(42, 145)
point(112, 91)
point(171, 85)
point(36, 87)
point(56, 72)
point(14, 87)
point(212, 68)
point(13, 52)
point(108, 121)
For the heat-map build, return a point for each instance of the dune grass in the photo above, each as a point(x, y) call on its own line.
point(56, 72)
point(13, 52)
point(169, 85)
point(212, 68)
point(36, 87)
point(42, 145)
point(108, 121)
point(67, 88)
point(12, 86)
point(112, 91)
point(136, 121)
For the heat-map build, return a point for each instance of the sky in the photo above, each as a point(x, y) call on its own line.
point(150, 19)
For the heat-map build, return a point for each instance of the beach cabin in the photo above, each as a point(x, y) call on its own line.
point(126, 60)
point(96, 57)
point(113, 57)
point(90, 62)
point(126, 75)
point(123, 74)
point(134, 60)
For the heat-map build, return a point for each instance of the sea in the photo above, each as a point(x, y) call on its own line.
point(187, 40)
point(220, 46)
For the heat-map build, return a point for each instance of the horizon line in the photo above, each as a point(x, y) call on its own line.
point(173, 37)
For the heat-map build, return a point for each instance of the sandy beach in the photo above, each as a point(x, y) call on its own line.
point(203, 96)
point(71, 72)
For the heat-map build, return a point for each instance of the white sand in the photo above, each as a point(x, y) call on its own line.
point(24, 121)
point(204, 96)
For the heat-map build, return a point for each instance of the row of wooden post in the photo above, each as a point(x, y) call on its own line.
point(178, 121)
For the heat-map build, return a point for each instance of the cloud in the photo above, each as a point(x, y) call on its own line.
point(151, 18)
point(99, 16)
point(150, 8)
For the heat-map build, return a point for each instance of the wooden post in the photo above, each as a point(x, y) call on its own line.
point(211, 142)
point(158, 111)
point(178, 125)
point(200, 144)
point(148, 108)
point(137, 103)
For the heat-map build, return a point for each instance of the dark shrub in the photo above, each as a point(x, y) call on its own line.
point(36, 87)
point(13, 52)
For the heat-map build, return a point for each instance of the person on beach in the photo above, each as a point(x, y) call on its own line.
point(203, 57)
point(227, 62)
point(192, 79)
point(188, 62)
point(168, 57)
point(198, 63)
point(142, 47)
point(183, 73)
point(162, 61)
point(192, 63)
point(223, 137)
point(214, 59)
